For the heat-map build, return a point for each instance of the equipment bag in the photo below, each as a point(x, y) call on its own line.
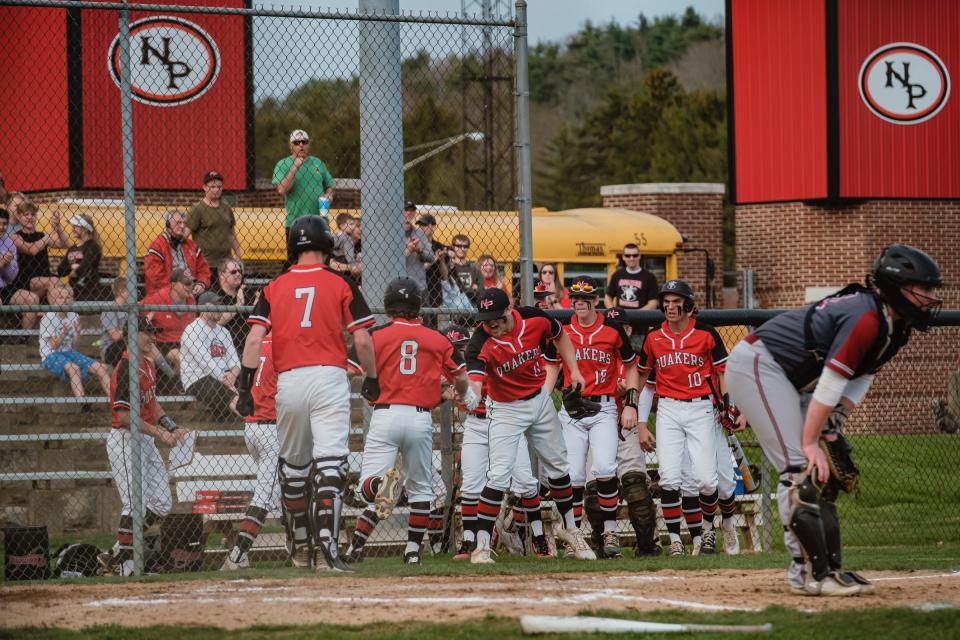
point(26, 551)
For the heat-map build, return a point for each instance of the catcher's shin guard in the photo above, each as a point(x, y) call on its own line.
point(591, 507)
point(831, 532)
point(327, 479)
point(295, 489)
point(642, 511)
point(806, 523)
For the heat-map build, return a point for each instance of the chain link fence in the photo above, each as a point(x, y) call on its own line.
point(223, 102)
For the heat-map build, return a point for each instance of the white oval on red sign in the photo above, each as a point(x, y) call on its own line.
point(904, 83)
point(172, 61)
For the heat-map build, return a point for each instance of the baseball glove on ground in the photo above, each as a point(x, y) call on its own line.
point(577, 406)
point(843, 470)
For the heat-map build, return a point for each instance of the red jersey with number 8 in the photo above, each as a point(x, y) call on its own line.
point(307, 308)
point(683, 361)
point(264, 390)
point(411, 359)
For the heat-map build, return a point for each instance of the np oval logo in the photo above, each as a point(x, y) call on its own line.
point(904, 83)
point(172, 61)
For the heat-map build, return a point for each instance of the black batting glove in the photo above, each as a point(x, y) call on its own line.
point(244, 395)
point(370, 389)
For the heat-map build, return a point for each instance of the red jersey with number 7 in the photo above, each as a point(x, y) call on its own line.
point(307, 308)
point(264, 390)
point(683, 361)
point(411, 359)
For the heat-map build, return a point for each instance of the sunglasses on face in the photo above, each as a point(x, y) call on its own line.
point(298, 143)
point(631, 255)
point(234, 272)
point(582, 287)
point(461, 246)
point(548, 271)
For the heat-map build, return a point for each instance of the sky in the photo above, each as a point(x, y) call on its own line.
point(282, 66)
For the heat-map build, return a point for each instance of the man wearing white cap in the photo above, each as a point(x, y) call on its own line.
point(82, 260)
point(302, 180)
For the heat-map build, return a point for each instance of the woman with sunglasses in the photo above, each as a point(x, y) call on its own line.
point(548, 276)
point(82, 260)
point(232, 291)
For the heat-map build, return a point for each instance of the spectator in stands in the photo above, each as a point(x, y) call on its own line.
point(3, 191)
point(466, 272)
point(170, 324)
point(212, 224)
point(174, 249)
point(59, 331)
point(82, 260)
point(302, 180)
point(418, 250)
point(231, 290)
point(490, 272)
point(113, 327)
point(543, 297)
point(438, 269)
point(13, 201)
point(548, 276)
point(209, 364)
point(632, 287)
point(34, 279)
point(344, 257)
point(9, 268)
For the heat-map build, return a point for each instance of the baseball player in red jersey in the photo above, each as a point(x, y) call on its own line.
point(505, 352)
point(683, 353)
point(631, 468)
point(474, 463)
point(154, 423)
point(410, 360)
point(260, 436)
point(601, 348)
point(307, 308)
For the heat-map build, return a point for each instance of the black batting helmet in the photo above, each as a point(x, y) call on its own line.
point(402, 298)
point(309, 233)
point(900, 265)
point(678, 288)
point(458, 334)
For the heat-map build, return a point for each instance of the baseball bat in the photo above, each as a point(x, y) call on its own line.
point(749, 483)
point(533, 625)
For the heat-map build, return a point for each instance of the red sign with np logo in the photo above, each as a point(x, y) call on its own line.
point(190, 94)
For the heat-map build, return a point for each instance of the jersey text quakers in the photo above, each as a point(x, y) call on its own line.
point(511, 364)
point(120, 391)
point(264, 389)
point(682, 362)
point(411, 359)
point(601, 349)
point(307, 308)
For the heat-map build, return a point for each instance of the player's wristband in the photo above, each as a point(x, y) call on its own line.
point(167, 423)
point(245, 380)
point(631, 398)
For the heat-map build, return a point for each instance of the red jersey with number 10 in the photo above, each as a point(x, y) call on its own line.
point(683, 361)
point(307, 308)
point(411, 359)
point(264, 389)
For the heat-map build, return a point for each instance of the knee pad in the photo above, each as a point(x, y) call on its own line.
point(807, 525)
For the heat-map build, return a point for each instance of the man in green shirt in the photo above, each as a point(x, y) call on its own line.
point(212, 224)
point(302, 179)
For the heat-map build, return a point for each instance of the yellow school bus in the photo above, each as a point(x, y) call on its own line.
point(579, 241)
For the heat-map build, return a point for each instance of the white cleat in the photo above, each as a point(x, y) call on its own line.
point(302, 558)
point(481, 556)
point(387, 494)
point(731, 543)
point(235, 561)
point(574, 538)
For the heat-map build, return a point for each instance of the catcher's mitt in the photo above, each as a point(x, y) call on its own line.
point(843, 470)
point(577, 406)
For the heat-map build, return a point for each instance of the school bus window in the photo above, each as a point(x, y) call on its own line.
point(596, 271)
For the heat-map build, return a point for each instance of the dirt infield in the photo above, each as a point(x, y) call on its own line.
point(237, 603)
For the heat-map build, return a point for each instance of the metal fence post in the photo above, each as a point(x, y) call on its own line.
point(525, 182)
point(381, 148)
point(126, 124)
